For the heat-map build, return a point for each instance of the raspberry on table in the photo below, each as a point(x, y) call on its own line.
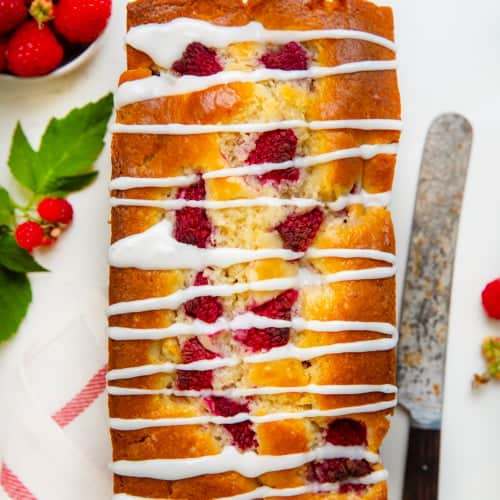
point(491, 299)
point(29, 235)
point(337, 469)
point(291, 56)
point(207, 309)
point(197, 60)
point(33, 51)
point(81, 22)
point(55, 210)
point(299, 230)
point(275, 146)
point(347, 432)
point(192, 225)
point(12, 14)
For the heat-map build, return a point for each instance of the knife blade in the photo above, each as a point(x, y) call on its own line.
point(426, 297)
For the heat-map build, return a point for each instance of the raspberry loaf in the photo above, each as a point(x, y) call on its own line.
point(252, 262)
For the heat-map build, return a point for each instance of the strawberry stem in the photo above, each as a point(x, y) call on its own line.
point(42, 11)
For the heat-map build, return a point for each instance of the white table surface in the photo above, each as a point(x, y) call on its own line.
point(449, 53)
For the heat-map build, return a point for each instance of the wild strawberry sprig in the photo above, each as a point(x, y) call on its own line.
point(491, 345)
point(62, 164)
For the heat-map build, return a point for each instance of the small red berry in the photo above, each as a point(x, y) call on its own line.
point(47, 241)
point(29, 235)
point(280, 307)
point(275, 146)
point(3, 55)
point(491, 299)
point(207, 308)
point(81, 22)
point(197, 60)
point(337, 469)
point(33, 51)
point(243, 435)
point(299, 230)
point(291, 56)
point(55, 210)
point(192, 225)
point(347, 432)
point(352, 488)
point(12, 13)
point(192, 350)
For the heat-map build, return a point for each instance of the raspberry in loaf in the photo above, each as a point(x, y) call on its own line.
point(252, 282)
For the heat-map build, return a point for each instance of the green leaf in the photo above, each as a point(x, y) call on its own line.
point(15, 258)
point(15, 298)
point(22, 159)
point(68, 149)
point(71, 145)
point(63, 185)
point(6, 208)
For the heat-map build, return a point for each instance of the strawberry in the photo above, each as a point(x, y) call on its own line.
point(208, 309)
point(347, 432)
point(192, 225)
point(291, 56)
point(275, 146)
point(299, 231)
point(337, 469)
point(81, 22)
point(12, 14)
point(491, 299)
point(33, 51)
point(197, 60)
point(3, 55)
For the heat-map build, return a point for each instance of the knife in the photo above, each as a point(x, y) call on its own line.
point(426, 297)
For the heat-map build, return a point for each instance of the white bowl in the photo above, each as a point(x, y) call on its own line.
point(62, 70)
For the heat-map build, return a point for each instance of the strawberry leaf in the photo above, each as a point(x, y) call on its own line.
point(68, 149)
point(15, 258)
point(64, 185)
point(22, 159)
point(6, 208)
point(15, 298)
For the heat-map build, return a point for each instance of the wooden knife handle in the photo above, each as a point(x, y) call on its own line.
point(422, 465)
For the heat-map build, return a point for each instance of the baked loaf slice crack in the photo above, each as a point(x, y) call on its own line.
point(252, 290)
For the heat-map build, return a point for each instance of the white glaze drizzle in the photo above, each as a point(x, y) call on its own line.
point(245, 322)
point(325, 390)
point(265, 491)
point(365, 151)
point(179, 33)
point(303, 278)
point(193, 129)
point(156, 248)
point(288, 351)
point(363, 198)
point(248, 464)
point(165, 85)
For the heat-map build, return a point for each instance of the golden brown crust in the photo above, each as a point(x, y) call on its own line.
point(361, 95)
